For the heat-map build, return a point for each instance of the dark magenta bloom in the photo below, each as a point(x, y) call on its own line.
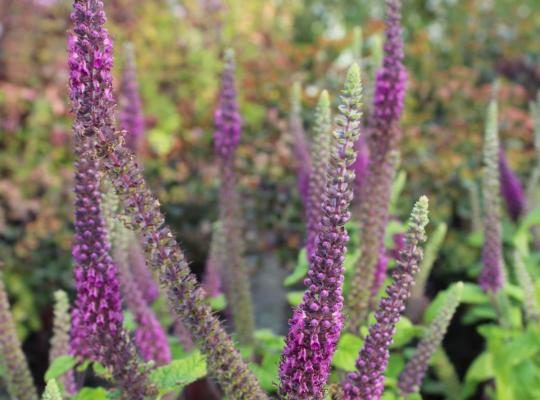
point(131, 114)
point(511, 188)
point(227, 119)
point(316, 324)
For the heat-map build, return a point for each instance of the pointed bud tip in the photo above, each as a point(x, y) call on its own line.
point(324, 99)
point(353, 75)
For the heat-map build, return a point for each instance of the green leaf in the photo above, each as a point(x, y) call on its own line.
point(473, 294)
point(91, 394)
point(218, 303)
point(295, 298)
point(129, 321)
point(405, 331)
point(179, 373)
point(347, 351)
point(300, 271)
point(481, 369)
point(59, 367)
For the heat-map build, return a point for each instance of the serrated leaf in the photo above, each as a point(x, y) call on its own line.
point(347, 351)
point(179, 373)
point(59, 367)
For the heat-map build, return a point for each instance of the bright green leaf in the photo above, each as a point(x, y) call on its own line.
point(300, 271)
point(347, 351)
point(60, 366)
point(179, 373)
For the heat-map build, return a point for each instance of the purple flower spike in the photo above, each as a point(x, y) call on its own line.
point(511, 188)
point(316, 324)
point(367, 383)
point(492, 277)
point(97, 323)
point(131, 115)
point(227, 118)
point(226, 139)
point(383, 134)
point(361, 165)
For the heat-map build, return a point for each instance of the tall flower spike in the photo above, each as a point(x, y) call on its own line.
point(300, 145)
point(511, 188)
point(317, 179)
point(150, 337)
point(60, 342)
point(367, 383)
point(214, 262)
point(534, 179)
point(432, 251)
point(140, 271)
point(18, 378)
point(131, 115)
point(383, 137)
point(413, 374)
point(143, 214)
point(316, 324)
point(226, 139)
point(491, 277)
point(532, 312)
point(98, 320)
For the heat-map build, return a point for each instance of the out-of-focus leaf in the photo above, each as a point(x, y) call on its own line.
point(179, 373)
point(300, 271)
point(347, 351)
point(60, 366)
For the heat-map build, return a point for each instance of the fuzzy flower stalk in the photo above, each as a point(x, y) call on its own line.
point(139, 270)
point(511, 188)
point(228, 125)
point(317, 178)
point(491, 277)
point(300, 145)
point(316, 324)
point(131, 116)
point(142, 210)
point(19, 380)
point(413, 374)
point(212, 273)
point(98, 318)
point(150, 337)
point(532, 312)
point(367, 383)
point(52, 391)
point(60, 342)
point(383, 137)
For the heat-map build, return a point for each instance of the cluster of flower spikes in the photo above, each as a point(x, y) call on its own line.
point(413, 374)
point(511, 188)
point(383, 136)
point(131, 116)
point(97, 320)
point(150, 337)
point(162, 252)
point(317, 178)
point(300, 145)
point(60, 342)
point(17, 374)
point(491, 277)
point(367, 383)
point(316, 324)
point(226, 139)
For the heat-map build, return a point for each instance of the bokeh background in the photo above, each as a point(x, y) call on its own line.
point(454, 51)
